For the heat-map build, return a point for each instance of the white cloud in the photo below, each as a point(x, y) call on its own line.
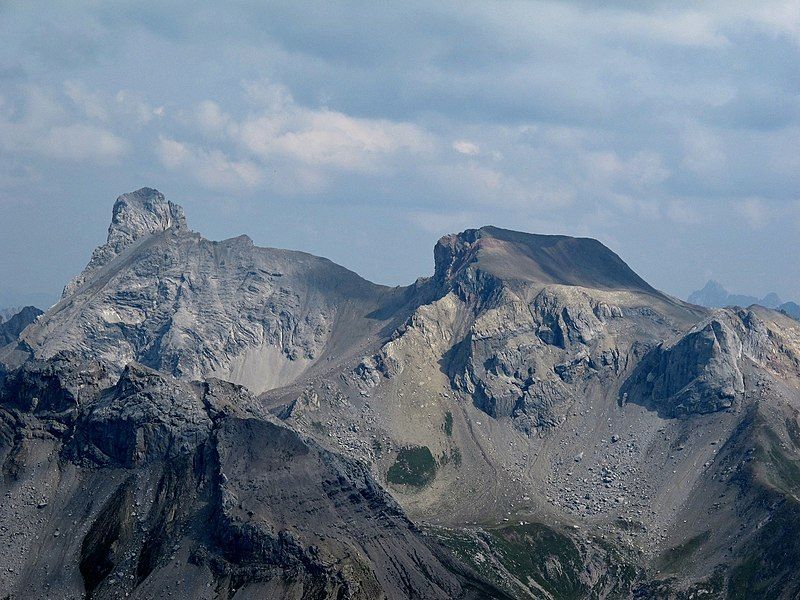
point(637, 119)
point(210, 167)
point(125, 105)
point(304, 147)
point(171, 153)
point(326, 138)
point(132, 104)
point(268, 96)
point(37, 124)
point(691, 28)
point(466, 147)
point(91, 103)
point(480, 185)
point(211, 119)
point(318, 137)
point(82, 142)
point(780, 17)
point(441, 223)
point(704, 152)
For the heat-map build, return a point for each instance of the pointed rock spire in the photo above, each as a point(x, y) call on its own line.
point(141, 213)
point(136, 215)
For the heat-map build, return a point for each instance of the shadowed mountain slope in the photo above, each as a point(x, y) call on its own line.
point(152, 487)
point(16, 323)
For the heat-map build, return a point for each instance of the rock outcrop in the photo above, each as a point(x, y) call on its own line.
point(161, 295)
point(16, 323)
point(697, 374)
point(703, 371)
point(158, 468)
point(135, 217)
point(524, 323)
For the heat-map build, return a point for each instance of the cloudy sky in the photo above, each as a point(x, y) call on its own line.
point(669, 131)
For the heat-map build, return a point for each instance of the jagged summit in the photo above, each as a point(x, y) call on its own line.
point(136, 215)
point(714, 295)
point(162, 295)
point(545, 259)
point(713, 287)
point(141, 213)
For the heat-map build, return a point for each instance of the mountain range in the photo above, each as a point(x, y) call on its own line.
point(214, 420)
point(713, 295)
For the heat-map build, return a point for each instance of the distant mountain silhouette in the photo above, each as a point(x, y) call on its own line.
point(714, 295)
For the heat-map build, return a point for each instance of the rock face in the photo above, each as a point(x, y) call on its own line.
point(163, 296)
point(136, 216)
point(133, 424)
point(545, 377)
point(210, 419)
point(697, 374)
point(531, 321)
point(196, 471)
point(16, 323)
point(703, 371)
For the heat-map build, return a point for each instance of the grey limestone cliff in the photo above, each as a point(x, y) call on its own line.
point(163, 296)
point(135, 216)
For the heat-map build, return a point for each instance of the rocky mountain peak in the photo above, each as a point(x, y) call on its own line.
point(454, 251)
point(161, 295)
point(136, 215)
point(714, 287)
point(220, 414)
point(141, 213)
point(714, 295)
point(543, 259)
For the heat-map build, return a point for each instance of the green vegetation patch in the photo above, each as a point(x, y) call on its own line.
point(785, 474)
point(537, 553)
point(768, 566)
point(674, 558)
point(448, 424)
point(546, 562)
point(414, 466)
point(472, 548)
